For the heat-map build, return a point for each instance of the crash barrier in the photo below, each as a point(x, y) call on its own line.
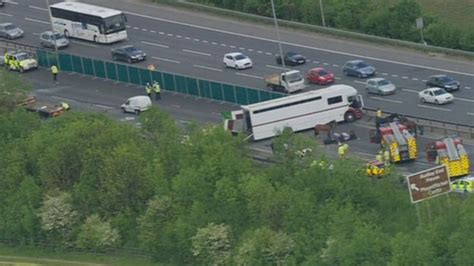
point(433, 126)
point(9, 45)
point(325, 30)
point(140, 76)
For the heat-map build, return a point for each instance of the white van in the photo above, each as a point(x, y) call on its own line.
point(136, 104)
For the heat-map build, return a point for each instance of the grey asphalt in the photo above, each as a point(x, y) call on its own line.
point(180, 34)
point(89, 94)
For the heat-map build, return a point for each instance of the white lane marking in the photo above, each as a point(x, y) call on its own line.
point(424, 80)
point(247, 75)
point(104, 106)
point(404, 77)
point(152, 31)
point(170, 34)
point(326, 64)
point(464, 100)
point(385, 74)
point(179, 36)
point(335, 65)
point(39, 8)
point(301, 45)
point(136, 28)
point(386, 100)
point(208, 68)
point(161, 33)
point(408, 90)
point(241, 48)
point(196, 52)
point(360, 82)
point(11, 2)
point(414, 79)
point(259, 52)
point(434, 108)
point(128, 26)
point(250, 50)
point(144, 29)
point(467, 88)
point(84, 43)
point(316, 62)
point(270, 66)
point(268, 53)
point(164, 59)
point(470, 113)
point(155, 44)
point(395, 76)
point(223, 44)
point(175, 105)
point(232, 46)
point(39, 21)
point(196, 40)
point(214, 43)
point(4, 14)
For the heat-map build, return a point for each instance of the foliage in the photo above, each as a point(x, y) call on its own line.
point(212, 244)
point(96, 234)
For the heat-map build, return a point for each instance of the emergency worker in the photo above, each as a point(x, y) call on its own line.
point(379, 157)
point(386, 157)
point(157, 89)
point(55, 71)
point(148, 89)
point(341, 151)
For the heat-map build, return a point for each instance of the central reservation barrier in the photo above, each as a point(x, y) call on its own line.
point(140, 76)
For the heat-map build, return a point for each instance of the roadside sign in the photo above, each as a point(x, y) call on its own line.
point(428, 183)
point(419, 23)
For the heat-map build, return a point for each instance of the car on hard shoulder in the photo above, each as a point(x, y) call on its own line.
point(2, 3)
point(462, 185)
point(136, 104)
point(358, 68)
point(10, 31)
point(25, 61)
point(436, 96)
point(380, 86)
point(50, 40)
point(128, 53)
point(237, 61)
point(320, 76)
point(291, 59)
point(443, 81)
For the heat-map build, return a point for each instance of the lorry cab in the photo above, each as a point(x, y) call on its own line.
point(137, 104)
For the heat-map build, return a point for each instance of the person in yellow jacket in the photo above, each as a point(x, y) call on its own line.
point(54, 71)
point(341, 150)
point(378, 114)
point(148, 89)
point(157, 88)
point(386, 157)
point(379, 156)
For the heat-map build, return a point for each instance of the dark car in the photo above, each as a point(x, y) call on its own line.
point(320, 76)
point(292, 59)
point(443, 81)
point(128, 53)
point(2, 3)
point(358, 68)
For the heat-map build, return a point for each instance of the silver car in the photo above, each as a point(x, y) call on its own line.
point(10, 31)
point(47, 39)
point(380, 86)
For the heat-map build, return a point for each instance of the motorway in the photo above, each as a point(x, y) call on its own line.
point(193, 44)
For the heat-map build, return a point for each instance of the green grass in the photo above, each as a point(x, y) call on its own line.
point(456, 12)
point(36, 256)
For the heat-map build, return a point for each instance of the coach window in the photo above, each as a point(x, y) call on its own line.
point(334, 100)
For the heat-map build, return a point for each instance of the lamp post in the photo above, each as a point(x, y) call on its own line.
point(54, 33)
point(278, 37)
point(322, 13)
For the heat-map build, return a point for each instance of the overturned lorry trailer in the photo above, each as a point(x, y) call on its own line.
point(297, 112)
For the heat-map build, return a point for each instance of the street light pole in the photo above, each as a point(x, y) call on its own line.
point(278, 37)
point(54, 33)
point(322, 13)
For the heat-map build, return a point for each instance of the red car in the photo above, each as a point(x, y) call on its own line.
point(320, 76)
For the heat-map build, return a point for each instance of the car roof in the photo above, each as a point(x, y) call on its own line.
point(126, 46)
point(234, 54)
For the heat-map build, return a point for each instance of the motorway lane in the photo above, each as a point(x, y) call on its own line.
point(188, 64)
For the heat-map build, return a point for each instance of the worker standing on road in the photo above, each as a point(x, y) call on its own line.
point(379, 156)
point(346, 148)
point(157, 88)
point(342, 150)
point(55, 71)
point(148, 89)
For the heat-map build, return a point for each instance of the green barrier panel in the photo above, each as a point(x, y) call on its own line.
point(253, 96)
point(111, 71)
point(229, 93)
point(216, 91)
point(65, 63)
point(52, 59)
point(145, 76)
point(77, 64)
point(265, 95)
point(99, 68)
point(42, 58)
point(205, 89)
point(241, 95)
point(122, 73)
point(192, 86)
point(88, 66)
point(277, 95)
point(134, 75)
point(157, 76)
point(180, 84)
point(168, 82)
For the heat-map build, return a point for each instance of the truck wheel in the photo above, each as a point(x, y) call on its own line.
point(349, 117)
point(137, 112)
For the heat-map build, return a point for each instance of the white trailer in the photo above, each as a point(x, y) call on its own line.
point(298, 112)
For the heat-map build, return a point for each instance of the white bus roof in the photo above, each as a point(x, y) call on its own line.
point(98, 11)
point(332, 90)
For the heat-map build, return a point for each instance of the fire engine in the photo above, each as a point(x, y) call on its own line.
point(450, 152)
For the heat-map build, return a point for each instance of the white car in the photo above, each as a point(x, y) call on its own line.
point(237, 61)
point(435, 95)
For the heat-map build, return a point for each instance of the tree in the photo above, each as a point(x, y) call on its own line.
point(212, 244)
point(58, 218)
point(96, 234)
point(264, 246)
point(12, 90)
